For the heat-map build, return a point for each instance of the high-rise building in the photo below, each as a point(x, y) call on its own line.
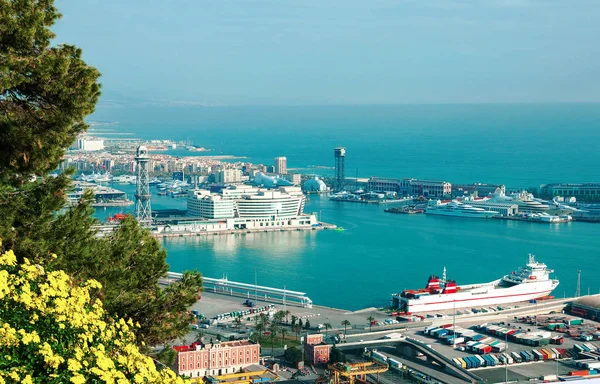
point(143, 211)
point(281, 165)
point(228, 176)
point(339, 154)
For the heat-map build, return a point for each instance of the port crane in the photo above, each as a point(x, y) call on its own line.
point(352, 373)
point(235, 378)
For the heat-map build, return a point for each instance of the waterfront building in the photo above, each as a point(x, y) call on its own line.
point(227, 176)
point(201, 203)
point(294, 178)
point(382, 185)
point(281, 165)
point(314, 185)
point(430, 188)
point(90, 144)
point(220, 358)
point(316, 350)
point(582, 192)
point(245, 207)
point(108, 165)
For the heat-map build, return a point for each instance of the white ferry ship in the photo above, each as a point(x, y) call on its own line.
point(527, 283)
point(456, 208)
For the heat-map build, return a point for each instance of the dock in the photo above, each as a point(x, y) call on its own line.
point(248, 291)
point(162, 235)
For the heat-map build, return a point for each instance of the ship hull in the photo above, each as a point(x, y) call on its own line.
point(493, 296)
point(486, 215)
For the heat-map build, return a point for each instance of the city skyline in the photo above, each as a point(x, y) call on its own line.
point(384, 52)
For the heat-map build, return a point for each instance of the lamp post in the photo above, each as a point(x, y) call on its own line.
point(505, 359)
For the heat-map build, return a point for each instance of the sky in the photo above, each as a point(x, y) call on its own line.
point(307, 52)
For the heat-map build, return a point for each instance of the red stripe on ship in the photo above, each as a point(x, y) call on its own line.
point(483, 298)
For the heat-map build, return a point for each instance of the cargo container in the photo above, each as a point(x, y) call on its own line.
point(456, 362)
point(462, 362)
point(526, 356)
point(553, 326)
point(537, 355)
point(582, 372)
point(516, 357)
point(491, 362)
point(575, 321)
point(500, 347)
point(481, 360)
point(593, 365)
point(547, 355)
point(394, 364)
point(586, 337)
point(379, 357)
point(509, 358)
point(440, 333)
point(468, 361)
point(591, 347)
point(455, 340)
point(557, 340)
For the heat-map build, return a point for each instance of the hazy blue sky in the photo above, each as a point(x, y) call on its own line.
point(347, 51)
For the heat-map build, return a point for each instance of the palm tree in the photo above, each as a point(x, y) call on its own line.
point(370, 319)
point(287, 314)
point(345, 323)
point(279, 316)
point(282, 331)
point(273, 329)
point(259, 329)
point(294, 319)
point(327, 326)
point(238, 322)
point(296, 328)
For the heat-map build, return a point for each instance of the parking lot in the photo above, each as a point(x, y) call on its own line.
point(523, 371)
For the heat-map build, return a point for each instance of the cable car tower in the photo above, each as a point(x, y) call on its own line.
point(143, 210)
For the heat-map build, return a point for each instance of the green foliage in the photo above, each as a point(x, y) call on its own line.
point(132, 263)
point(29, 224)
point(292, 355)
point(45, 92)
point(336, 356)
point(345, 323)
point(307, 324)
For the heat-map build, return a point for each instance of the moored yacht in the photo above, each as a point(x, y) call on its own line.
point(458, 209)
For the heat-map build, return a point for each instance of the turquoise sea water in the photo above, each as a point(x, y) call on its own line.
point(380, 253)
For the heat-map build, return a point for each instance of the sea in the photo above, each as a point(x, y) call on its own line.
point(378, 253)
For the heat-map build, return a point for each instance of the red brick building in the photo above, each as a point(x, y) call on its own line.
point(316, 351)
point(199, 360)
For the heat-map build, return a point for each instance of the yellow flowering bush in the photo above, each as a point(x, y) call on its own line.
point(51, 331)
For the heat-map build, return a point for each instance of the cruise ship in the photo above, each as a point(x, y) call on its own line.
point(526, 203)
point(526, 283)
point(458, 209)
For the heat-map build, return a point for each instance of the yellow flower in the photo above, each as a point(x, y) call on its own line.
point(73, 365)
point(8, 258)
point(78, 379)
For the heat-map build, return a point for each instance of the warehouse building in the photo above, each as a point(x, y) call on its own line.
point(587, 306)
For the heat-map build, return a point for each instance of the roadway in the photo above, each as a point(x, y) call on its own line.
point(459, 374)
